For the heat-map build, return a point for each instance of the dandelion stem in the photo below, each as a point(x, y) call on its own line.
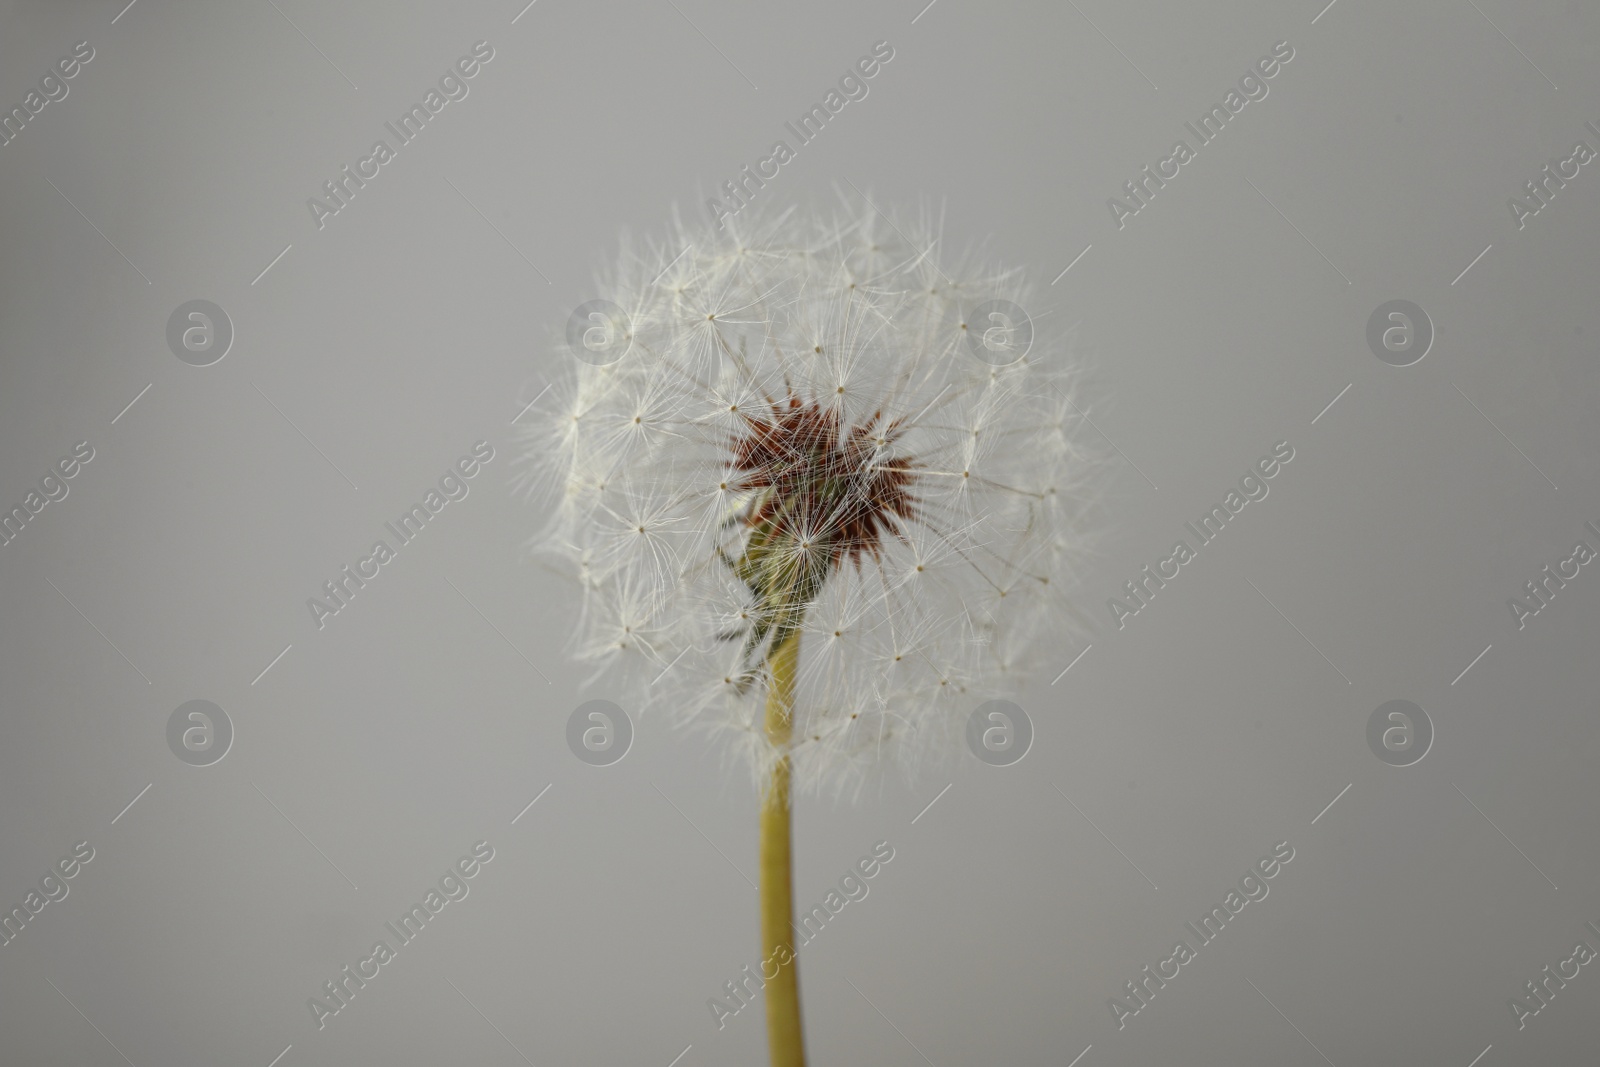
point(785, 1039)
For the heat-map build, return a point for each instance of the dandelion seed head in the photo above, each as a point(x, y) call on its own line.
point(800, 436)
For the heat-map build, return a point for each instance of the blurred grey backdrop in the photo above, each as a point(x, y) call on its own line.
point(371, 353)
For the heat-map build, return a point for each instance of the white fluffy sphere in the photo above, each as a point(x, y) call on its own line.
point(801, 428)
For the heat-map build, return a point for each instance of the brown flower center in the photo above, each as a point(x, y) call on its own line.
point(822, 484)
point(822, 493)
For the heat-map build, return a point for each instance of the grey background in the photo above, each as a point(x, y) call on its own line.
point(408, 728)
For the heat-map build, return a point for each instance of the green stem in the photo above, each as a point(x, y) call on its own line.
point(785, 1037)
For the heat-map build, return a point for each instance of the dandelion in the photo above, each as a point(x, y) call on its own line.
point(820, 498)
